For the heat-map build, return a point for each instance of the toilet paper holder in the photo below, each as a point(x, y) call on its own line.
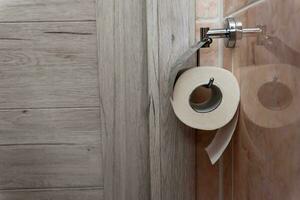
point(232, 32)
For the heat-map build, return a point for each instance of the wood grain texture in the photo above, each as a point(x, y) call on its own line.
point(153, 90)
point(50, 126)
point(172, 143)
point(48, 166)
point(50, 141)
point(176, 33)
point(50, 10)
point(124, 98)
point(48, 65)
point(62, 194)
point(45, 148)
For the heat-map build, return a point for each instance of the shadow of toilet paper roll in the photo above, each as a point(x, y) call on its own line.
point(269, 95)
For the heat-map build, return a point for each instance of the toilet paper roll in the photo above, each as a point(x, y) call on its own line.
point(270, 97)
point(218, 112)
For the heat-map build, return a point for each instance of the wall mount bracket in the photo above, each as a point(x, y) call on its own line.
point(232, 32)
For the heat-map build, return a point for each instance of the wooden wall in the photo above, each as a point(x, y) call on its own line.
point(171, 31)
point(50, 141)
point(149, 154)
point(124, 98)
point(75, 124)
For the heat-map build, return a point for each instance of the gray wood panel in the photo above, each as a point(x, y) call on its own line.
point(153, 92)
point(50, 141)
point(50, 126)
point(47, 10)
point(76, 194)
point(171, 30)
point(45, 148)
point(48, 166)
point(48, 65)
point(124, 98)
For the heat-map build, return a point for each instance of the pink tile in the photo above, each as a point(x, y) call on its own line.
point(208, 56)
point(267, 143)
point(231, 6)
point(207, 174)
point(206, 9)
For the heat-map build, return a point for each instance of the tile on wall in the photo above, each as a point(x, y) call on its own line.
point(208, 56)
point(231, 6)
point(267, 144)
point(213, 181)
point(227, 173)
point(207, 174)
point(207, 9)
point(227, 58)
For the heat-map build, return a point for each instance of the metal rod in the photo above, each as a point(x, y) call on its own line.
point(251, 31)
point(217, 33)
point(211, 82)
point(223, 33)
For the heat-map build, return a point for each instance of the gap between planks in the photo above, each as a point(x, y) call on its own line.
point(49, 108)
point(46, 21)
point(42, 144)
point(52, 189)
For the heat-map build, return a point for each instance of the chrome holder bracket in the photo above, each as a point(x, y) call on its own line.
point(232, 32)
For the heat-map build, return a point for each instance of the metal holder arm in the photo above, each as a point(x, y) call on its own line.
point(233, 31)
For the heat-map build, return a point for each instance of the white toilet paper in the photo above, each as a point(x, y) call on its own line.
point(216, 113)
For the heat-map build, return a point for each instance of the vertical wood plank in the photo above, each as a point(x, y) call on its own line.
point(153, 90)
point(172, 25)
point(176, 26)
point(124, 98)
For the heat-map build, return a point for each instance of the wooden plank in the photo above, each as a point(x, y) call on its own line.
point(45, 148)
point(48, 166)
point(48, 65)
point(76, 194)
point(124, 98)
point(175, 29)
point(153, 92)
point(50, 126)
point(50, 10)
